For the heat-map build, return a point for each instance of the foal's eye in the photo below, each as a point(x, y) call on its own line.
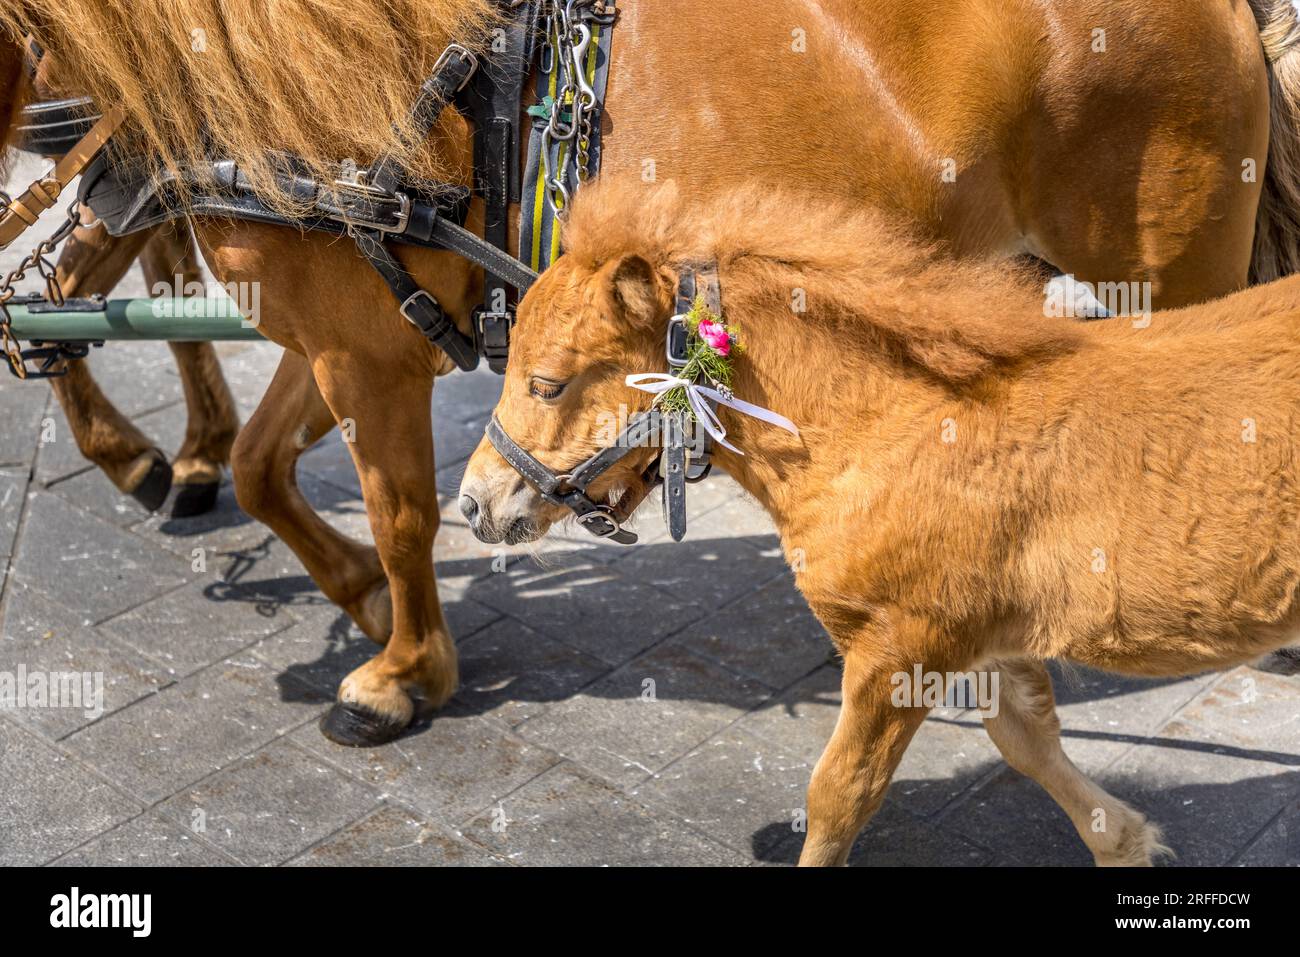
point(545, 388)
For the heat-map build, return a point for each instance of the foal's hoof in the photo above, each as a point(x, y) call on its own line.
point(151, 491)
point(357, 727)
point(196, 499)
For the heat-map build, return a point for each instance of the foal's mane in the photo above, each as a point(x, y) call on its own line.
point(868, 286)
point(326, 79)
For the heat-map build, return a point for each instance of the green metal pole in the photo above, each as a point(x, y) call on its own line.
point(175, 320)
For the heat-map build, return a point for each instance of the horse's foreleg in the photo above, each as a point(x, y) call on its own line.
point(212, 421)
point(290, 418)
point(1026, 730)
point(93, 262)
point(392, 445)
point(853, 773)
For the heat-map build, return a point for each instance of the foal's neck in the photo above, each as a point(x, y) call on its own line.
point(827, 387)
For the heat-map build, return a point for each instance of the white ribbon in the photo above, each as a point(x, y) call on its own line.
point(658, 382)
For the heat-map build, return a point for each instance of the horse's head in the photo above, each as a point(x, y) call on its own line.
point(582, 329)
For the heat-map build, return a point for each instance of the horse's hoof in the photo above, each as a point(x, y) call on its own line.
point(1284, 661)
point(356, 727)
point(196, 499)
point(152, 490)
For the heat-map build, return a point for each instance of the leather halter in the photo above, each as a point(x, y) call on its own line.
point(667, 431)
point(569, 489)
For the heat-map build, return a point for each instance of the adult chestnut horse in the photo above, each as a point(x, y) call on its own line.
point(93, 262)
point(933, 489)
point(1112, 140)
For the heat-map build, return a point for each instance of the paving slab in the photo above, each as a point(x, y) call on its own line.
point(770, 635)
point(146, 841)
point(204, 722)
point(737, 788)
point(512, 673)
point(896, 838)
point(568, 818)
point(41, 637)
point(269, 806)
point(394, 837)
point(1278, 845)
point(800, 719)
point(13, 494)
point(188, 629)
point(88, 565)
point(1210, 799)
point(24, 405)
point(638, 719)
point(50, 803)
point(449, 766)
point(1103, 716)
point(588, 605)
point(318, 657)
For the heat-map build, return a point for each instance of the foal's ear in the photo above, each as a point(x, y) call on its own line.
point(639, 289)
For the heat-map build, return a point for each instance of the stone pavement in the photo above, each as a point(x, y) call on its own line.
point(661, 704)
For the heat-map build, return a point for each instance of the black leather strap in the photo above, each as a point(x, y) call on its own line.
point(674, 472)
point(492, 102)
point(417, 305)
point(570, 491)
point(448, 235)
point(450, 74)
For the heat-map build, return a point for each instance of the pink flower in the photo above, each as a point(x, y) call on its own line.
point(715, 337)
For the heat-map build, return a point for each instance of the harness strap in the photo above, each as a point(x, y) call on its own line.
point(417, 306)
point(23, 211)
point(492, 101)
point(451, 73)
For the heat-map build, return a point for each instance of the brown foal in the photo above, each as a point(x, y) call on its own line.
point(971, 488)
point(996, 127)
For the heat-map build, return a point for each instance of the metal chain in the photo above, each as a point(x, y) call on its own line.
point(567, 41)
point(38, 259)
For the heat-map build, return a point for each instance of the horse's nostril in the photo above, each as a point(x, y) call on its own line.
point(469, 508)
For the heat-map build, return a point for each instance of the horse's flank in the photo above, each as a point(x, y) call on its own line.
point(325, 79)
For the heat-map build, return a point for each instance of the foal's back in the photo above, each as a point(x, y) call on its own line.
point(1165, 526)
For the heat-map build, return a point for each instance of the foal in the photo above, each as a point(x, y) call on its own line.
point(972, 486)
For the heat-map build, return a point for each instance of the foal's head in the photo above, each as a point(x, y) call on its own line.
point(582, 329)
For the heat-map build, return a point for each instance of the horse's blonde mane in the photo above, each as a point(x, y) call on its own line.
point(326, 79)
point(865, 281)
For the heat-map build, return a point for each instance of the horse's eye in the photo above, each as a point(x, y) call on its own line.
point(546, 389)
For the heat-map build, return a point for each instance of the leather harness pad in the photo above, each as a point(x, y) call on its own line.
point(52, 127)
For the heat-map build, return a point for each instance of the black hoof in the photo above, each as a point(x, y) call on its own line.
point(1284, 661)
point(355, 727)
point(153, 488)
point(194, 500)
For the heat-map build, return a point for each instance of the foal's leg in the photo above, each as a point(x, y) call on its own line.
point(94, 262)
point(290, 418)
point(212, 421)
point(1028, 734)
point(388, 410)
point(854, 771)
